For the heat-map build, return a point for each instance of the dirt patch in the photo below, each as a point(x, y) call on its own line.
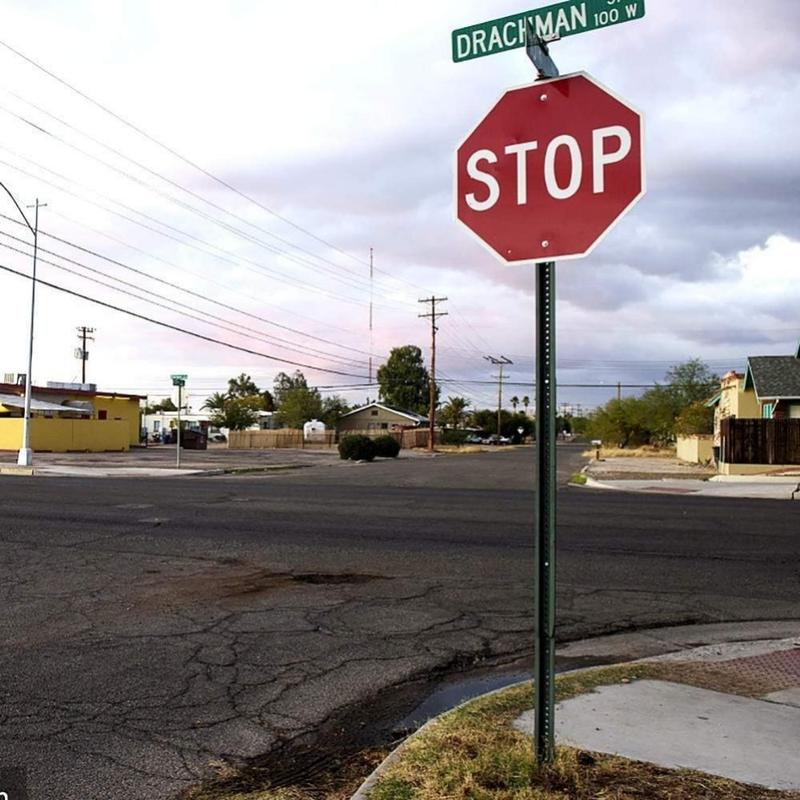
point(231, 582)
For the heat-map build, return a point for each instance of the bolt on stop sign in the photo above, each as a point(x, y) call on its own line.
point(550, 169)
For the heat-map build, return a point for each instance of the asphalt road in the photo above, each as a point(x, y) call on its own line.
point(154, 627)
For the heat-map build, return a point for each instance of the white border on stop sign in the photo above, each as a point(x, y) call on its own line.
point(623, 213)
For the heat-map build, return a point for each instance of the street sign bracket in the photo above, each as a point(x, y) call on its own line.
point(539, 53)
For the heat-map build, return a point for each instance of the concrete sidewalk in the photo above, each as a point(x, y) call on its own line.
point(777, 488)
point(159, 461)
point(732, 710)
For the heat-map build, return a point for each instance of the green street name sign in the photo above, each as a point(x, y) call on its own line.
point(550, 22)
point(179, 380)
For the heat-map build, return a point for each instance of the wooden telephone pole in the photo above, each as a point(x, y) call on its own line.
point(501, 362)
point(433, 315)
point(84, 335)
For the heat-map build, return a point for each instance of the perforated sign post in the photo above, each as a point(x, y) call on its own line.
point(545, 175)
point(180, 382)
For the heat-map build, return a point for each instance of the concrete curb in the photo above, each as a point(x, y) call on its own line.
point(16, 470)
point(64, 471)
point(780, 629)
point(744, 490)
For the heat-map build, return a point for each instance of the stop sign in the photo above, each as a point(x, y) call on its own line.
point(550, 169)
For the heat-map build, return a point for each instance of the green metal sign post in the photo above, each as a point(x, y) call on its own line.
point(180, 382)
point(547, 23)
point(545, 514)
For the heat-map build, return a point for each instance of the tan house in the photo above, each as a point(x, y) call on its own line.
point(375, 417)
point(733, 400)
point(775, 383)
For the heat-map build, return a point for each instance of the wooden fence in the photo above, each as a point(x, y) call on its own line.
point(760, 441)
point(292, 438)
point(280, 438)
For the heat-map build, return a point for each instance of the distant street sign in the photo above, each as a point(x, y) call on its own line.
point(550, 169)
point(548, 23)
point(179, 380)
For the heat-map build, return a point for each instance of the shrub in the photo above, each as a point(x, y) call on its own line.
point(357, 448)
point(454, 436)
point(386, 447)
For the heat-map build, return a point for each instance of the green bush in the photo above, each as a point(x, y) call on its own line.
point(454, 436)
point(387, 447)
point(357, 448)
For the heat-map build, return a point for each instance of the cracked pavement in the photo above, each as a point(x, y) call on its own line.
point(156, 630)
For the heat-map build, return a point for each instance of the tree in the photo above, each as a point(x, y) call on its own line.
point(234, 413)
point(691, 382)
point(242, 386)
point(165, 405)
point(332, 408)
point(526, 401)
point(486, 420)
point(296, 402)
point(454, 411)
point(403, 380)
point(696, 418)
point(654, 417)
point(284, 384)
point(514, 403)
point(239, 407)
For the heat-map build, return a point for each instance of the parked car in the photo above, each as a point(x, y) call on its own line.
point(473, 438)
point(497, 439)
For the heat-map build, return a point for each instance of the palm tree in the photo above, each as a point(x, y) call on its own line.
point(455, 410)
point(217, 402)
point(526, 401)
point(514, 403)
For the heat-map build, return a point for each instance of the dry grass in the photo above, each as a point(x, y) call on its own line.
point(464, 449)
point(632, 452)
point(475, 753)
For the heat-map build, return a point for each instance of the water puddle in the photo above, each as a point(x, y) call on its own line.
point(451, 693)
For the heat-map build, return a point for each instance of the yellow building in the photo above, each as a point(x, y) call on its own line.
point(69, 417)
point(734, 400)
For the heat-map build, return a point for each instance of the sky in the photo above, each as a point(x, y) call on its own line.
point(224, 169)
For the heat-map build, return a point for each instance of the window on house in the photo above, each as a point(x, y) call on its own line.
point(385, 426)
point(374, 412)
point(102, 414)
point(766, 411)
point(156, 425)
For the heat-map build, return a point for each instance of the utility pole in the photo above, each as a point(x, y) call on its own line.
point(619, 391)
point(25, 456)
point(434, 314)
point(370, 314)
point(84, 334)
point(501, 362)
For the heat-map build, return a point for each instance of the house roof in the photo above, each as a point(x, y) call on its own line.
point(774, 377)
point(19, 389)
point(15, 401)
point(418, 418)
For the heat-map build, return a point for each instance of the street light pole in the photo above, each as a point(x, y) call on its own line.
point(25, 457)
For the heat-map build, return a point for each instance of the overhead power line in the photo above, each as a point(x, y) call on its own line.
point(212, 320)
point(178, 155)
point(178, 329)
point(185, 290)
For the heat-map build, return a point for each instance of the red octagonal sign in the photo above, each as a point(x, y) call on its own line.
point(550, 169)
